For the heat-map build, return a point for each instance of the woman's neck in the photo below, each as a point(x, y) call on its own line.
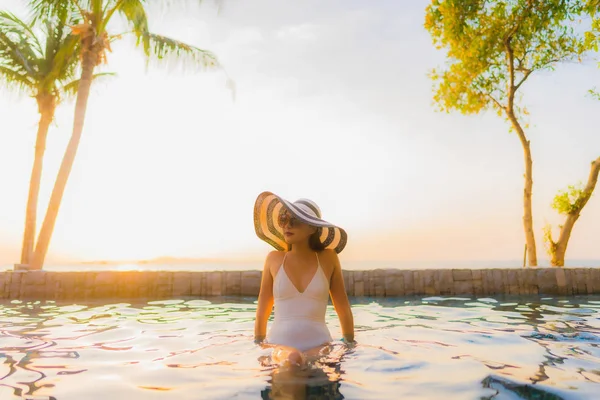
point(301, 249)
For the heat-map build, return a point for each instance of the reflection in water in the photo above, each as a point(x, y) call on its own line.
point(319, 380)
point(502, 348)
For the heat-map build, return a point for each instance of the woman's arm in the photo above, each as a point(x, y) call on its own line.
point(339, 298)
point(265, 301)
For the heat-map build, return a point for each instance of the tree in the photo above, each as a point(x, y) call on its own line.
point(592, 36)
point(92, 29)
point(46, 72)
point(492, 50)
point(569, 202)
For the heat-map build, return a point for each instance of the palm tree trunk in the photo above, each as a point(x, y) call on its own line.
point(558, 256)
point(527, 192)
point(46, 107)
point(88, 64)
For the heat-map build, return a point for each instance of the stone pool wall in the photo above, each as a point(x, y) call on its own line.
point(48, 285)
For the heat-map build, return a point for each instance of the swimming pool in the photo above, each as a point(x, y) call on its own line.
point(413, 347)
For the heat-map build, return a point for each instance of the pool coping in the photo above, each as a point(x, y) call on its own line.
point(87, 285)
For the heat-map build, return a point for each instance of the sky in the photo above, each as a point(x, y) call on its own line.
point(332, 102)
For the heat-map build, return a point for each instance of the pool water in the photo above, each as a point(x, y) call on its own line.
point(413, 348)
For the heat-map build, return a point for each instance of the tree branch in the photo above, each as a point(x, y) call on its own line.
point(525, 76)
point(589, 187)
point(500, 106)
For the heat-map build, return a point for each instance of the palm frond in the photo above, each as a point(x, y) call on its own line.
point(11, 23)
point(135, 13)
point(164, 49)
point(43, 9)
point(15, 51)
point(14, 80)
point(71, 88)
point(64, 61)
point(26, 63)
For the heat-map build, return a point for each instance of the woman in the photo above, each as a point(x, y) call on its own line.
point(298, 279)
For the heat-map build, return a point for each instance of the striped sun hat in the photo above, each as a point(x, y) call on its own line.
point(269, 206)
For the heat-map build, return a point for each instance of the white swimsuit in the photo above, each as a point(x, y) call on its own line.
point(300, 316)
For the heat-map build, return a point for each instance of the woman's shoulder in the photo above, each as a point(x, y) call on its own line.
point(329, 260)
point(273, 261)
point(275, 256)
point(328, 254)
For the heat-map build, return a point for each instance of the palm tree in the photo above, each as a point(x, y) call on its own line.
point(94, 17)
point(46, 73)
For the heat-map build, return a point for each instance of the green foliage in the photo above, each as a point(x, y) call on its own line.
point(548, 241)
point(37, 64)
point(592, 37)
point(493, 47)
point(569, 201)
point(96, 17)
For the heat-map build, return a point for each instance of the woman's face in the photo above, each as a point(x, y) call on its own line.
point(294, 231)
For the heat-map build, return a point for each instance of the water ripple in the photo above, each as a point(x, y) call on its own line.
point(465, 348)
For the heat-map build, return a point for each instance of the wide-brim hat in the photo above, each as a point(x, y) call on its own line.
point(269, 207)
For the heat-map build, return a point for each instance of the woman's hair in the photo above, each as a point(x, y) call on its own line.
point(314, 241)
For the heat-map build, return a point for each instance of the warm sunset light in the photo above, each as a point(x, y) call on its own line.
point(299, 199)
point(170, 163)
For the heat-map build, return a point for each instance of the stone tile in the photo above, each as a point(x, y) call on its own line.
point(233, 281)
point(546, 281)
point(497, 284)
point(568, 281)
point(512, 279)
point(418, 282)
point(182, 284)
point(359, 284)
point(90, 279)
point(196, 288)
point(350, 287)
point(581, 281)
point(104, 291)
point(14, 289)
point(52, 285)
point(428, 278)
point(345, 276)
point(5, 278)
point(204, 284)
point(251, 283)
point(378, 278)
point(572, 280)
point(5, 285)
point(147, 283)
point(388, 282)
point(105, 278)
point(409, 282)
point(394, 283)
point(477, 287)
point(588, 281)
point(561, 281)
point(33, 292)
point(70, 285)
point(165, 278)
point(359, 288)
point(485, 282)
point(443, 282)
point(505, 280)
point(595, 280)
point(34, 278)
point(530, 278)
point(463, 287)
point(462, 275)
point(513, 289)
point(367, 283)
point(164, 290)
